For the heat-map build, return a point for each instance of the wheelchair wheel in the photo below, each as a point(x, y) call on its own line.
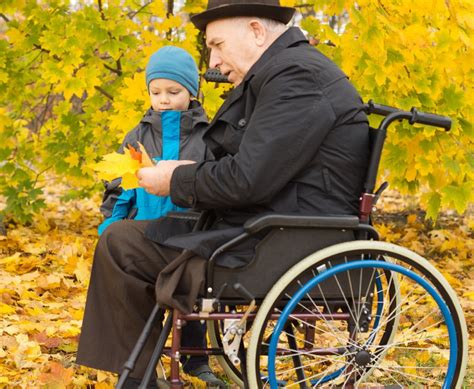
point(415, 336)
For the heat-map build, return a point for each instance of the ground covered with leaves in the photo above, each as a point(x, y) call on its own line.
point(44, 273)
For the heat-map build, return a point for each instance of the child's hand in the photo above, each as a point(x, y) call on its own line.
point(157, 179)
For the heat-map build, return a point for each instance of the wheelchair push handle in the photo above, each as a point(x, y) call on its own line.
point(214, 75)
point(413, 116)
point(430, 119)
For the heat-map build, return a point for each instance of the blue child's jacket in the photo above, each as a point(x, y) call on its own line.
point(167, 135)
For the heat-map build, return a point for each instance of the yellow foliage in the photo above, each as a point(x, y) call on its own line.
point(116, 165)
point(212, 93)
point(82, 272)
point(44, 306)
point(103, 385)
point(469, 295)
point(400, 53)
point(73, 84)
point(73, 159)
point(135, 88)
point(405, 54)
point(6, 309)
point(27, 352)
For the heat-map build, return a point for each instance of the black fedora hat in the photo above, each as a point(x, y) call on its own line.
point(219, 9)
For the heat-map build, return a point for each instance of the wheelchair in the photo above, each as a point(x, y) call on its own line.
point(325, 304)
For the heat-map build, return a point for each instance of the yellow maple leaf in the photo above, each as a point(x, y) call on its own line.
point(411, 172)
point(55, 375)
point(6, 309)
point(103, 385)
point(102, 376)
point(27, 352)
point(73, 159)
point(129, 181)
point(82, 271)
point(70, 330)
point(469, 295)
point(116, 165)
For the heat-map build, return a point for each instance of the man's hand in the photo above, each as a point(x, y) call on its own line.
point(157, 179)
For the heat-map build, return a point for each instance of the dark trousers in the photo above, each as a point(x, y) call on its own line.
point(120, 298)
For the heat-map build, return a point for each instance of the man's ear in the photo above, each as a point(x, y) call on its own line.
point(259, 31)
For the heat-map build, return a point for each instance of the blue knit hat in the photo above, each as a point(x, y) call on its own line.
point(175, 64)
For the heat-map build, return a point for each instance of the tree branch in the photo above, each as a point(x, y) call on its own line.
point(42, 116)
point(4, 17)
point(308, 5)
point(383, 7)
point(116, 71)
point(38, 174)
point(40, 48)
point(131, 15)
point(46, 51)
point(104, 92)
point(170, 8)
point(407, 70)
point(169, 12)
point(119, 65)
point(101, 10)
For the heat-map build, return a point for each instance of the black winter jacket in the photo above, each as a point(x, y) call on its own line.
point(291, 138)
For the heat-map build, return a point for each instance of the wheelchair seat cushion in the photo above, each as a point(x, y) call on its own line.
point(276, 254)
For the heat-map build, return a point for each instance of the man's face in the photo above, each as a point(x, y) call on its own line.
point(233, 47)
point(168, 95)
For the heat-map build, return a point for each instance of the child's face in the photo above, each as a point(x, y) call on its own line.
point(168, 95)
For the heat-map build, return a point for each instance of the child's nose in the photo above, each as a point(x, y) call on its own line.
point(164, 98)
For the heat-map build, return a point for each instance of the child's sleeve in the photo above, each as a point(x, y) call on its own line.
point(117, 203)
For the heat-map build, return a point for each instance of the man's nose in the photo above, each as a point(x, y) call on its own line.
point(214, 60)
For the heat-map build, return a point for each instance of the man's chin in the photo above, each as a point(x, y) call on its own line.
point(234, 80)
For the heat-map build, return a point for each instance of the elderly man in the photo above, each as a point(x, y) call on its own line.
point(291, 137)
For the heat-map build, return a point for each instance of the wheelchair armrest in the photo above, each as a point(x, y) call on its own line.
point(259, 223)
point(186, 215)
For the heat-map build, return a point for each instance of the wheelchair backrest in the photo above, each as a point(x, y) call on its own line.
point(376, 142)
point(368, 198)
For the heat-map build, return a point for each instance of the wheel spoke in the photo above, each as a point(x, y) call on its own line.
point(415, 376)
point(339, 335)
point(395, 311)
point(408, 339)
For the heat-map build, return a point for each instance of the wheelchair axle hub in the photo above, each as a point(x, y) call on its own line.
point(362, 358)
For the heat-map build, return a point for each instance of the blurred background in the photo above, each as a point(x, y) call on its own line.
point(72, 84)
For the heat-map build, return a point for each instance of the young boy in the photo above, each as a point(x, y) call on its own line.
point(171, 129)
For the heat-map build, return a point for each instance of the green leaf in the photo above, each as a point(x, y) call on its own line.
point(434, 203)
point(394, 56)
point(467, 127)
point(395, 159)
point(311, 25)
point(457, 195)
point(451, 165)
point(452, 97)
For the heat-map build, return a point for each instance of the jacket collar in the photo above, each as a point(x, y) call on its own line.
point(189, 119)
point(289, 38)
